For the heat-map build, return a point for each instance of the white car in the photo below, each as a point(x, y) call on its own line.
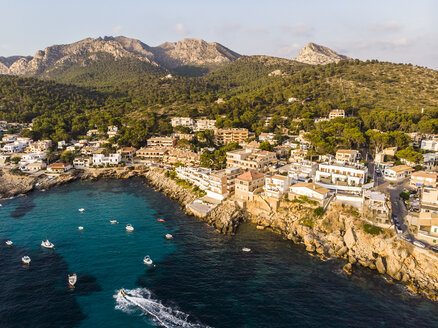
point(398, 229)
point(419, 244)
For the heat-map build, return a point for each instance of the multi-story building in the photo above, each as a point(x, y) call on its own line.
point(428, 227)
point(424, 179)
point(14, 147)
point(222, 183)
point(59, 167)
point(183, 121)
point(153, 154)
point(197, 176)
point(34, 167)
point(302, 171)
point(429, 144)
point(82, 162)
point(226, 136)
point(347, 155)
point(186, 157)
point(111, 159)
point(335, 113)
point(297, 155)
point(161, 142)
point(248, 185)
point(255, 159)
point(112, 131)
point(375, 206)
point(127, 152)
point(341, 176)
point(429, 200)
point(276, 186)
point(38, 146)
point(269, 137)
point(397, 173)
point(205, 124)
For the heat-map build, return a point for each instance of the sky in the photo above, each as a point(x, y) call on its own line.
point(397, 31)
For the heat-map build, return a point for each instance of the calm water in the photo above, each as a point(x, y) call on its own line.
point(198, 279)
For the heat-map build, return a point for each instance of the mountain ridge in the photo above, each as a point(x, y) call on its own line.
point(315, 54)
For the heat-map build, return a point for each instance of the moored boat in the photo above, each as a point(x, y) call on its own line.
point(129, 227)
point(147, 260)
point(72, 279)
point(160, 220)
point(9, 243)
point(80, 228)
point(81, 210)
point(168, 236)
point(25, 259)
point(114, 221)
point(259, 227)
point(47, 244)
point(246, 249)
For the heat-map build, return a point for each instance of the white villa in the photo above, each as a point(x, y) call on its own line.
point(276, 186)
point(111, 159)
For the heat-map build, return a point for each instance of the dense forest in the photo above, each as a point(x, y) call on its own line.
point(375, 95)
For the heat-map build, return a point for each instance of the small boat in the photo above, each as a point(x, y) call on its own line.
point(259, 227)
point(9, 243)
point(81, 210)
point(25, 259)
point(147, 260)
point(160, 220)
point(114, 221)
point(129, 227)
point(1, 205)
point(72, 279)
point(168, 236)
point(47, 244)
point(80, 228)
point(246, 249)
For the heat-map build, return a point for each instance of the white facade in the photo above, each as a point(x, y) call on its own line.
point(197, 176)
point(336, 113)
point(311, 190)
point(112, 159)
point(205, 124)
point(276, 186)
point(336, 176)
point(183, 121)
point(302, 171)
point(429, 144)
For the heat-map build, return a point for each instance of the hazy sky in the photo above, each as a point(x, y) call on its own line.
point(397, 31)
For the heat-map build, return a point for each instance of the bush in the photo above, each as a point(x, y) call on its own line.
point(405, 195)
point(318, 211)
point(372, 229)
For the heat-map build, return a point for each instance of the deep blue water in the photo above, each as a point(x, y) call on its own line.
point(198, 279)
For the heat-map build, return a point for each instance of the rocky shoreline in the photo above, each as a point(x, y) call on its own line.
point(339, 233)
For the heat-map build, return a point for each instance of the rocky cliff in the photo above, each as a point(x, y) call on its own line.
point(315, 54)
point(82, 53)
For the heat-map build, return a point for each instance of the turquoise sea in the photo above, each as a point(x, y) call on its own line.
point(198, 279)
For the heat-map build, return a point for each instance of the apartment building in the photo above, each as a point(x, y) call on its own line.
point(222, 183)
point(38, 146)
point(197, 176)
point(429, 200)
point(226, 136)
point(276, 186)
point(127, 151)
point(82, 162)
point(154, 154)
point(183, 121)
point(255, 159)
point(161, 142)
point(424, 179)
point(347, 155)
point(111, 159)
point(337, 176)
point(429, 144)
point(297, 155)
point(204, 124)
point(335, 113)
point(248, 184)
point(302, 171)
point(186, 157)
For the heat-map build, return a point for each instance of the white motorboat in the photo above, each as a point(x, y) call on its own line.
point(168, 236)
point(47, 244)
point(114, 221)
point(25, 259)
point(9, 242)
point(129, 227)
point(80, 228)
point(72, 279)
point(246, 249)
point(147, 260)
point(81, 210)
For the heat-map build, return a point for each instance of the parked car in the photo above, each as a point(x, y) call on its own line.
point(398, 228)
point(395, 218)
point(434, 248)
point(378, 172)
point(407, 238)
point(419, 244)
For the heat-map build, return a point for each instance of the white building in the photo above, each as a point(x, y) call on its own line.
point(347, 155)
point(429, 144)
point(205, 124)
point(341, 176)
point(397, 173)
point(82, 162)
point(308, 189)
point(302, 171)
point(112, 159)
point(183, 121)
point(112, 131)
point(222, 183)
point(276, 186)
point(14, 147)
point(197, 176)
point(335, 113)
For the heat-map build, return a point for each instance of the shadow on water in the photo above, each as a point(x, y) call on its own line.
point(26, 206)
point(38, 295)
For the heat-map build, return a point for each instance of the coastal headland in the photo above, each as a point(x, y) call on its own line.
point(338, 233)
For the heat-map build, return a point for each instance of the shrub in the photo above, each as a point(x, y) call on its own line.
point(318, 211)
point(372, 229)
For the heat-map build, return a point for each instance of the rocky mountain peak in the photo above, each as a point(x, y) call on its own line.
point(316, 54)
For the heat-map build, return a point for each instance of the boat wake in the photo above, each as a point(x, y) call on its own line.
point(163, 316)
